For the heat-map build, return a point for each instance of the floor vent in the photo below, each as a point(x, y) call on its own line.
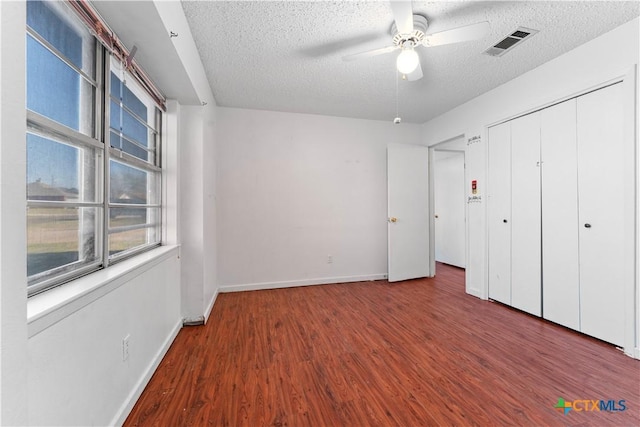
point(510, 41)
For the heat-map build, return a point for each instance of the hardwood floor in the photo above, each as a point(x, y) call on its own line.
point(415, 353)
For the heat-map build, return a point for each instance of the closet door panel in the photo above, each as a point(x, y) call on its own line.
point(560, 256)
point(525, 214)
point(601, 214)
point(499, 213)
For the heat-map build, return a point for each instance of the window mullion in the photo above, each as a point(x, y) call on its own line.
point(44, 126)
point(131, 141)
point(127, 158)
point(106, 136)
point(142, 121)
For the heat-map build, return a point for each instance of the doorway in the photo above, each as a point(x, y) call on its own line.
point(448, 201)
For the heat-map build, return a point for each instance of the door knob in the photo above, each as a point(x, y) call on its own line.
point(436, 216)
point(587, 225)
point(504, 220)
point(393, 219)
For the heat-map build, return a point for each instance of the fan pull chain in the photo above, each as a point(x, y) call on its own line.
point(397, 120)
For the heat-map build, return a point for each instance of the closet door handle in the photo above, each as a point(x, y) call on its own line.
point(504, 220)
point(587, 225)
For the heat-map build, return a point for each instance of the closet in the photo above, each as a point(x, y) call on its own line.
point(556, 213)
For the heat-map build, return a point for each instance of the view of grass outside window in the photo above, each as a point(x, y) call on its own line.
point(87, 206)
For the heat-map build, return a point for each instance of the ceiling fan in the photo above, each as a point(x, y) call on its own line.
point(409, 32)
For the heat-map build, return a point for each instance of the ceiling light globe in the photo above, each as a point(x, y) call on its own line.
point(407, 61)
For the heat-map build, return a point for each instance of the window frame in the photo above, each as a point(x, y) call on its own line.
point(130, 161)
point(99, 142)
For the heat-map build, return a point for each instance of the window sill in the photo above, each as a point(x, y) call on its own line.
point(50, 307)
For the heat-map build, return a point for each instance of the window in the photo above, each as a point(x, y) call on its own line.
point(93, 153)
point(134, 173)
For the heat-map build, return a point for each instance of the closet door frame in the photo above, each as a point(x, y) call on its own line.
point(631, 136)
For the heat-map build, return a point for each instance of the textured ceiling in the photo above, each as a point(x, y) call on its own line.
point(286, 55)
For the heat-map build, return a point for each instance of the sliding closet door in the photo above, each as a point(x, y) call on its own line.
point(601, 215)
point(499, 213)
point(525, 214)
point(560, 257)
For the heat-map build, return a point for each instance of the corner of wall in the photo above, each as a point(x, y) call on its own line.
point(14, 396)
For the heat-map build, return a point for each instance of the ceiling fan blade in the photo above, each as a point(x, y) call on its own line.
point(403, 15)
point(369, 53)
point(415, 74)
point(457, 35)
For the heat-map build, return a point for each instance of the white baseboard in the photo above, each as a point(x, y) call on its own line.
point(133, 397)
point(207, 312)
point(304, 282)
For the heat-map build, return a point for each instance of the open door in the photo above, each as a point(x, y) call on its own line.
point(449, 207)
point(408, 211)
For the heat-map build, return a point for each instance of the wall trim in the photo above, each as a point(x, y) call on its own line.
point(305, 282)
point(136, 392)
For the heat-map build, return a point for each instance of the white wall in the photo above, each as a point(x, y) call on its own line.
point(76, 372)
point(197, 186)
point(191, 219)
point(210, 220)
point(608, 57)
point(294, 189)
point(13, 295)
point(198, 211)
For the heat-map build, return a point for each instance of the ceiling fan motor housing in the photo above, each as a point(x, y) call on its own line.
point(420, 26)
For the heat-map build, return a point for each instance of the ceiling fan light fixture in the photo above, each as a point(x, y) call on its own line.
point(407, 61)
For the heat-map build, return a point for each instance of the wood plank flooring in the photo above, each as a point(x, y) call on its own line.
point(416, 353)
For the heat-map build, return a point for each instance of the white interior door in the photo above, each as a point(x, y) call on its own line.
point(560, 255)
point(526, 287)
point(408, 211)
point(449, 207)
point(601, 187)
point(499, 213)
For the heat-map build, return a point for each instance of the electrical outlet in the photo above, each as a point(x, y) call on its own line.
point(329, 259)
point(125, 347)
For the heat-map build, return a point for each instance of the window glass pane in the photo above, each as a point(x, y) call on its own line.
point(132, 185)
point(123, 121)
point(53, 22)
point(60, 237)
point(129, 147)
point(132, 117)
point(123, 241)
point(129, 134)
point(56, 91)
point(61, 172)
point(120, 91)
point(125, 217)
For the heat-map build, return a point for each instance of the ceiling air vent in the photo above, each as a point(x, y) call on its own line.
point(509, 42)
